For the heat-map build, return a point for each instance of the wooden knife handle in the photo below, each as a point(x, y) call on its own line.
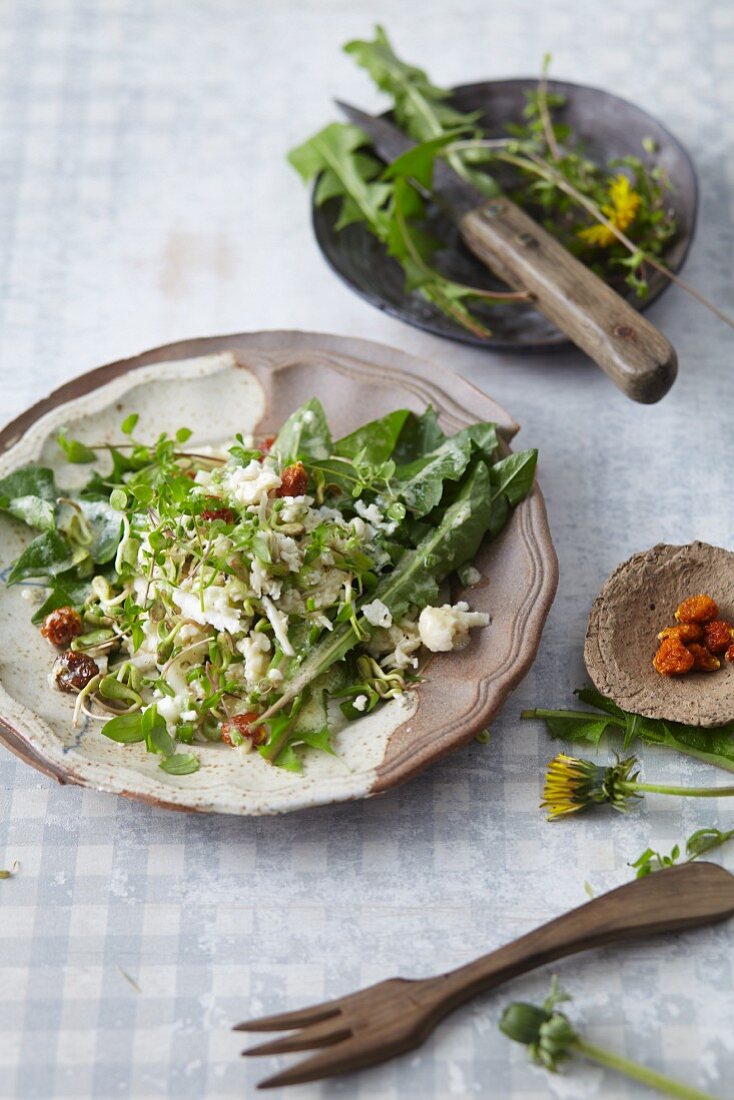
point(635, 355)
point(686, 896)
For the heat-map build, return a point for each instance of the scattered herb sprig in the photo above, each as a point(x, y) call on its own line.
point(698, 844)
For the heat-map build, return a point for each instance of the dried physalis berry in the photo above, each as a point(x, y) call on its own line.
point(672, 658)
point(267, 444)
point(703, 661)
point(239, 727)
point(293, 481)
point(730, 653)
point(61, 625)
point(684, 632)
point(719, 635)
point(210, 514)
point(73, 671)
point(697, 609)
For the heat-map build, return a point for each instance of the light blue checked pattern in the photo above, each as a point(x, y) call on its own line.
point(144, 197)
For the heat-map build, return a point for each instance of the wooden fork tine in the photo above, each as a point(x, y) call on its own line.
point(340, 1058)
point(331, 1030)
point(288, 1021)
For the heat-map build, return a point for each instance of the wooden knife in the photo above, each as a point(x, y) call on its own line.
point(635, 355)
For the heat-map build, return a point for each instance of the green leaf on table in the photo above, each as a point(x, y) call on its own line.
point(180, 764)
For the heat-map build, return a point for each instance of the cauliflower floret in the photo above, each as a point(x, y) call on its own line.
point(249, 484)
point(255, 649)
point(377, 613)
point(217, 612)
point(445, 628)
point(396, 645)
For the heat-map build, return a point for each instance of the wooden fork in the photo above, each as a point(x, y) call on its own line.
point(397, 1015)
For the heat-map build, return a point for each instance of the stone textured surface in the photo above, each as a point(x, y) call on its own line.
point(635, 604)
point(144, 198)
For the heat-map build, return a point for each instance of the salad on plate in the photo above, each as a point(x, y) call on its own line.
point(262, 593)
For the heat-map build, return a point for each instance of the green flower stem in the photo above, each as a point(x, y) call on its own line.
point(686, 792)
point(593, 716)
point(640, 1073)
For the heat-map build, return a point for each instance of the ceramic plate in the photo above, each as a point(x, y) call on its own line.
point(251, 383)
point(608, 126)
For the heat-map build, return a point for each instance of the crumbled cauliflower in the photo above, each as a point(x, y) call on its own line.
point(255, 648)
point(377, 613)
point(217, 611)
point(248, 484)
point(360, 702)
point(445, 628)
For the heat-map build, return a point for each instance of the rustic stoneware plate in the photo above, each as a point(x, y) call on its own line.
point(637, 601)
point(608, 126)
point(251, 383)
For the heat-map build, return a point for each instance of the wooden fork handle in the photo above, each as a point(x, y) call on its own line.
point(635, 355)
point(667, 901)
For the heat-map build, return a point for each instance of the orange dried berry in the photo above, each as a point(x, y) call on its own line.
point(703, 661)
point(294, 481)
point(241, 726)
point(672, 658)
point(719, 635)
point(61, 625)
point(697, 609)
point(684, 632)
point(730, 653)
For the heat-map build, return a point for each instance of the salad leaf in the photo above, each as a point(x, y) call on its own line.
point(180, 764)
point(420, 435)
point(714, 745)
point(46, 556)
point(420, 485)
point(511, 480)
point(414, 580)
point(30, 495)
point(75, 450)
point(373, 442)
point(126, 729)
point(66, 591)
point(331, 152)
point(305, 434)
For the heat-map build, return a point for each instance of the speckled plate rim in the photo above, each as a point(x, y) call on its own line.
point(456, 399)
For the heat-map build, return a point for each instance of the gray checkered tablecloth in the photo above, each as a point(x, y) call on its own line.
point(144, 197)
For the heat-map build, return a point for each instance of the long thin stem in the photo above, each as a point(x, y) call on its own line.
point(545, 117)
point(578, 715)
point(643, 1074)
point(547, 171)
point(686, 792)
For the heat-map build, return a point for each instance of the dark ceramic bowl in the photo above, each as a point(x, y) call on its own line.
point(608, 126)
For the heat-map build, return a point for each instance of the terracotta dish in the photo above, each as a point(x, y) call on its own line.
point(637, 601)
point(251, 383)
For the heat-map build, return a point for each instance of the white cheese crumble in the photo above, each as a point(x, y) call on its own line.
point(249, 484)
point(377, 613)
point(445, 628)
point(217, 611)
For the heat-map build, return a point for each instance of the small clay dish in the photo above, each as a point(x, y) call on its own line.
point(635, 604)
point(608, 127)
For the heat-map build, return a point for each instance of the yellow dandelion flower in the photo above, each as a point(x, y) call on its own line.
point(573, 784)
point(621, 211)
